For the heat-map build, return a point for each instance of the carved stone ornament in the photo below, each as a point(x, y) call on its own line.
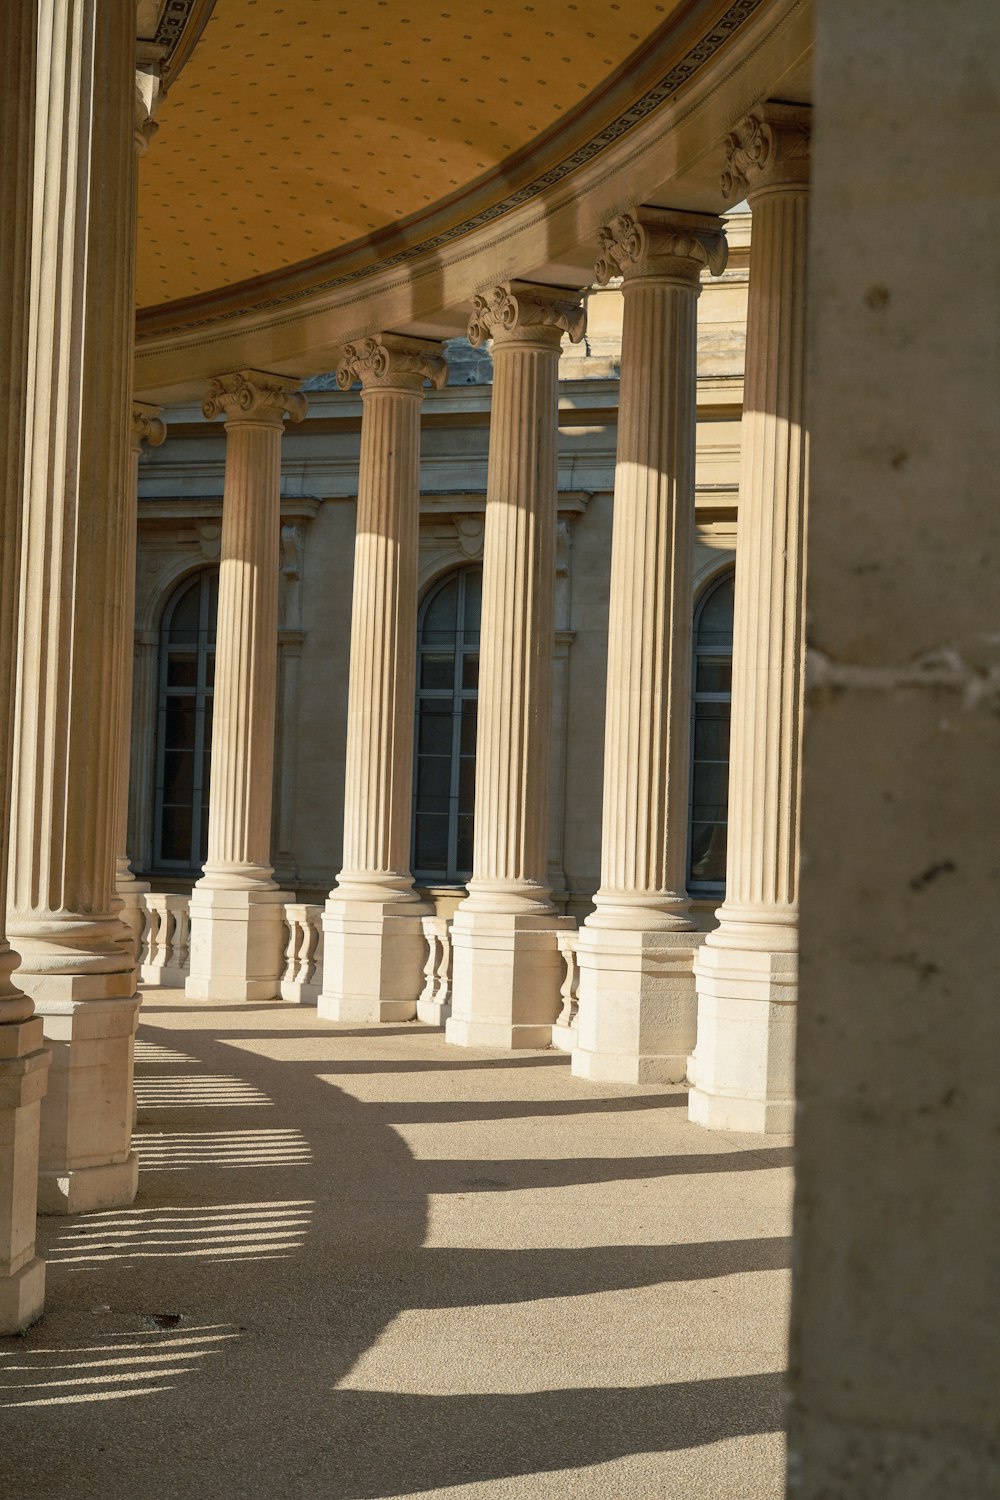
point(661, 242)
point(255, 396)
point(146, 425)
point(517, 306)
point(388, 359)
point(768, 148)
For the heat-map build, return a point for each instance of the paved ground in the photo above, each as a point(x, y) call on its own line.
point(365, 1265)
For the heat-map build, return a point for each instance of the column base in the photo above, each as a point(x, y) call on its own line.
point(86, 1118)
point(743, 1067)
point(236, 944)
point(506, 979)
point(22, 1297)
point(373, 960)
point(636, 1022)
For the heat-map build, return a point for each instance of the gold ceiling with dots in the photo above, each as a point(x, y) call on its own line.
point(300, 127)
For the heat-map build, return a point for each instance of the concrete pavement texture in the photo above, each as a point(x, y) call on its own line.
point(365, 1264)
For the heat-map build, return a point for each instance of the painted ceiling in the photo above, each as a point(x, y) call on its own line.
point(301, 127)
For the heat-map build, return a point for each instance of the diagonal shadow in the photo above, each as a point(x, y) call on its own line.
point(459, 1111)
point(440, 1441)
point(494, 1175)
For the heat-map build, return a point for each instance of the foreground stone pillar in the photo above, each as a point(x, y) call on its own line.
point(75, 958)
point(743, 1066)
point(636, 1019)
point(236, 922)
point(507, 968)
point(373, 941)
point(23, 1059)
point(895, 1359)
point(146, 427)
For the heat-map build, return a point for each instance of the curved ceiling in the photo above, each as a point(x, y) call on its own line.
point(299, 128)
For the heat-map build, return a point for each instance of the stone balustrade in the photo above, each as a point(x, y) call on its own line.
point(564, 1030)
point(302, 979)
point(164, 944)
point(434, 1003)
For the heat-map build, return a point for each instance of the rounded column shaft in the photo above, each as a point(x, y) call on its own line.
point(236, 906)
point(746, 972)
point(637, 1002)
point(373, 944)
point(507, 965)
point(23, 1059)
point(62, 903)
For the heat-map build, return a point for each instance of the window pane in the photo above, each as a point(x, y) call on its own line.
point(472, 618)
point(431, 844)
point(467, 784)
point(711, 734)
point(437, 671)
point(441, 616)
point(433, 783)
point(470, 672)
point(708, 852)
point(434, 736)
point(184, 616)
point(468, 736)
point(463, 851)
point(175, 840)
point(182, 669)
point(179, 721)
point(715, 623)
point(714, 674)
point(711, 790)
point(178, 775)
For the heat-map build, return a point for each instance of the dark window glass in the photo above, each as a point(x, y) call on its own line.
point(711, 710)
point(184, 725)
point(447, 686)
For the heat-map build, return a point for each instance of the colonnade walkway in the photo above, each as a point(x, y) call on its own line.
point(363, 1263)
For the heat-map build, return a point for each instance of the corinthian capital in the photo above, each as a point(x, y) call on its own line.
point(768, 148)
point(255, 396)
point(661, 242)
point(516, 307)
point(391, 359)
point(146, 425)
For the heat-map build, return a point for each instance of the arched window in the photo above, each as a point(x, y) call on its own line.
point(184, 725)
point(712, 701)
point(447, 690)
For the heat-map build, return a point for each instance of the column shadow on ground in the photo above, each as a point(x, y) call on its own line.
point(271, 1245)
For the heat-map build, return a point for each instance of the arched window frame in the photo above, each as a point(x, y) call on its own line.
point(171, 691)
point(462, 694)
point(702, 696)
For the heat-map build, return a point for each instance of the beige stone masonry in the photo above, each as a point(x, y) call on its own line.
point(374, 944)
point(24, 1060)
point(636, 1019)
point(237, 947)
point(146, 427)
point(746, 972)
point(76, 960)
point(507, 969)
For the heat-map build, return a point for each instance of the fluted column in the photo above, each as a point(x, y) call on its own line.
point(373, 943)
point(746, 972)
point(146, 427)
point(62, 901)
point(24, 1060)
point(236, 923)
point(637, 1001)
point(507, 968)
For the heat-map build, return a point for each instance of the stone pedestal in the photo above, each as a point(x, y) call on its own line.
point(743, 1067)
point(507, 969)
point(374, 944)
point(76, 958)
point(237, 934)
point(636, 1020)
